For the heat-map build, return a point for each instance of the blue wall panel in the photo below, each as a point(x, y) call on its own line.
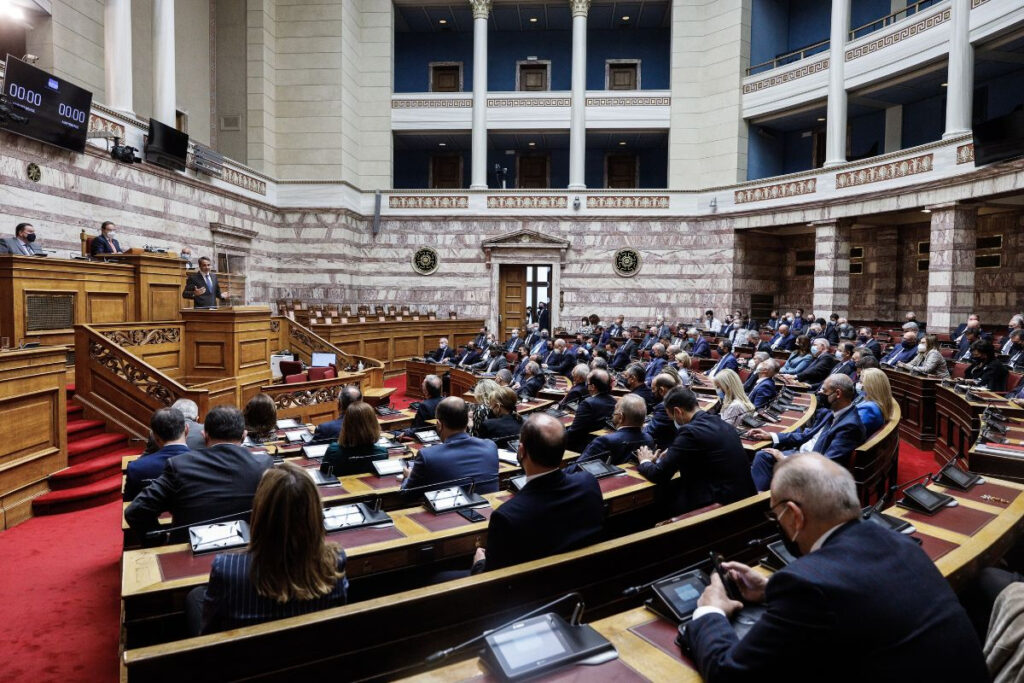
point(414, 51)
point(923, 121)
point(769, 33)
point(866, 131)
point(653, 163)
point(505, 48)
point(865, 11)
point(412, 169)
point(651, 46)
point(1004, 93)
point(765, 153)
point(808, 22)
point(798, 152)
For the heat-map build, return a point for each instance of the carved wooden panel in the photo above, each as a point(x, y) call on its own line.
point(106, 308)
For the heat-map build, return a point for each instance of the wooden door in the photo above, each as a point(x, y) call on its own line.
point(445, 78)
point(622, 76)
point(512, 295)
point(533, 77)
point(622, 171)
point(533, 172)
point(445, 171)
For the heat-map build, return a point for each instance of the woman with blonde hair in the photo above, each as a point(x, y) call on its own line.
point(483, 392)
point(878, 405)
point(733, 400)
point(506, 423)
point(682, 366)
point(288, 569)
point(356, 447)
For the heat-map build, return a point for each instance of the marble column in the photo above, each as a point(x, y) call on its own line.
point(164, 99)
point(960, 77)
point(831, 268)
point(117, 54)
point(478, 165)
point(951, 265)
point(835, 135)
point(578, 100)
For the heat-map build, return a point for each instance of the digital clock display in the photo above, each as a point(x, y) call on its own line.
point(44, 107)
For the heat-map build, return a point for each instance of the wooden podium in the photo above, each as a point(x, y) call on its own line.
point(228, 351)
point(159, 279)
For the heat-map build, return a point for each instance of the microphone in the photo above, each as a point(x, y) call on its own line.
point(877, 507)
point(765, 540)
point(442, 655)
point(166, 533)
point(640, 588)
point(474, 482)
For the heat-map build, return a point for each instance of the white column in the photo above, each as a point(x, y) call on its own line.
point(117, 54)
point(960, 79)
point(893, 128)
point(478, 166)
point(164, 101)
point(578, 112)
point(835, 136)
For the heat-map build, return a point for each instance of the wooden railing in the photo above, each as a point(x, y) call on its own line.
point(112, 379)
point(303, 341)
point(312, 402)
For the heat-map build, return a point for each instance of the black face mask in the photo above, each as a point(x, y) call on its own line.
point(862, 338)
point(790, 545)
point(30, 238)
point(909, 344)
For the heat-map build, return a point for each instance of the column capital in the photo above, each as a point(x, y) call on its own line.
point(481, 8)
point(579, 8)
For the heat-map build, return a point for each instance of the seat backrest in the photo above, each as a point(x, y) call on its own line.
point(317, 373)
point(875, 462)
point(330, 373)
point(960, 370)
point(295, 379)
point(290, 367)
point(1013, 380)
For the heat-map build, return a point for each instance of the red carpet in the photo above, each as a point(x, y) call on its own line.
point(61, 586)
point(398, 399)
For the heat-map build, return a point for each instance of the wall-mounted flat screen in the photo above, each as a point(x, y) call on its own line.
point(44, 107)
point(166, 146)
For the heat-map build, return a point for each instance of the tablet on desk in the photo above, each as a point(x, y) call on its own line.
point(679, 595)
point(205, 538)
point(289, 423)
point(317, 450)
point(388, 467)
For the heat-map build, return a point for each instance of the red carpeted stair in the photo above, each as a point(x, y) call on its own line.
point(93, 475)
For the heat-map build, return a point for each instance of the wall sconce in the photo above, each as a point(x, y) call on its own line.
point(576, 203)
point(714, 205)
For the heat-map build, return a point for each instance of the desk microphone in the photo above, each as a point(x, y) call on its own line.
point(761, 542)
point(442, 655)
point(166, 533)
point(884, 499)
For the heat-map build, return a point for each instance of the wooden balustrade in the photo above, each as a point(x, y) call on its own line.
point(303, 342)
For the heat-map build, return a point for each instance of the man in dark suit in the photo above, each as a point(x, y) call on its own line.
point(972, 321)
point(831, 331)
point(699, 347)
point(707, 453)
point(903, 352)
point(967, 339)
point(432, 387)
point(661, 329)
point(783, 340)
point(656, 364)
point(628, 418)
point(555, 512)
point(844, 360)
point(104, 243)
point(560, 361)
point(820, 366)
point(492, 361)
point(864, 339)
point(442, 353)
point(469, 357)
point(513, 341)
point(194, 439)
point(636, 382)
point(773, 321)
point(543, 317)
point(480, 340)
point(330, 430)
point(836, 432)
point(726, 360)
point(23, 243)
point(210, 484)
point(458, 456)
point(532, 337)
point(616, 329)
point(578, 391)
point(541, 345)
point(169, 431)
point(754, 342)
point(202, 287)
point(533, 380)
point(986, 369)
point(660, 427)
point(762, 390)
point(622, 355)
point(860, 603)
point(593, 411)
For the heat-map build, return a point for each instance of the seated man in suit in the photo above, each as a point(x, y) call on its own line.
point(660, 427)
point(23, 243)
point(560, 361)
point(699, 347)
point(865, 340)
point(967, 339)
point(443, 353)
point(783, 340)
point(432, 387)
point(541, 345)
point(168, 430)
point(210, 484)
point(104, 243)
point(860, 603)
point(492, 361)
point(616, 329)
point(628, 418)
point(513, 341)
point(836, 432)
point(707, 454)
point(831, 331)
point(762, 389)
point(503, 378)
point(844, 360)
point(533, 381)
point(1014, 349)
point(636, 378)
point(862, 360)
point(656, 364)
point(846, 330)
point(202, 287)
point(480, 340)
point(622, 355)
point(661, 328)
point(711, 323)
point(972, 321)
point(578, 391)
point(469, 357)
point(194, 439)
point(555, 512)
point(820, 366)
point(754, 342)
point(458, 456)
point(903, 352)
point(330, 430)
point(726, 360)
point(593, 411)
point(987, 370)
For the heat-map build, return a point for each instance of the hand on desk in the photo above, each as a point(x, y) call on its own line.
point(480, 555)
point(759, 434)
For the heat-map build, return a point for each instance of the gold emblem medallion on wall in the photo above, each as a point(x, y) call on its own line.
point(627, 262)
point(425, 261)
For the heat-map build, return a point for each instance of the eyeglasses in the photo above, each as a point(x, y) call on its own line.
point(770, 513)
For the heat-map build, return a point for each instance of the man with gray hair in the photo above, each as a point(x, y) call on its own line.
point(578, 391)
point(657, 362)
point(190, 411)
point(503, 377)
point(860, 602)
point(820, 366)
point(618, 447)
point(661, 428)
point(762, 389)
point(835, 433)
point(533, 381)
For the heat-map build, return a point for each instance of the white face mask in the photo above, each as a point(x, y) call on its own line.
point(860, 387)
point(921, 348)
point(839, 355)
point(751, 364)
point(679, 425)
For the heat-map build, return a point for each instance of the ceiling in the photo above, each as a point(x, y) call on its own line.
point(516, 16)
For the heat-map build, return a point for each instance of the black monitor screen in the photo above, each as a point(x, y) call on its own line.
point(166, 146)
point(44, 107)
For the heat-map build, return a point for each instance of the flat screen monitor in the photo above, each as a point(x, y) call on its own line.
point(45, 108)
point(323, 360)
point(166, 146)
point(999, 139)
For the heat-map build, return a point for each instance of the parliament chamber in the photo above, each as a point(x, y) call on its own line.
point(512, 340)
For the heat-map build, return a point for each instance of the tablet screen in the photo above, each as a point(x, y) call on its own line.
point(521, 647)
